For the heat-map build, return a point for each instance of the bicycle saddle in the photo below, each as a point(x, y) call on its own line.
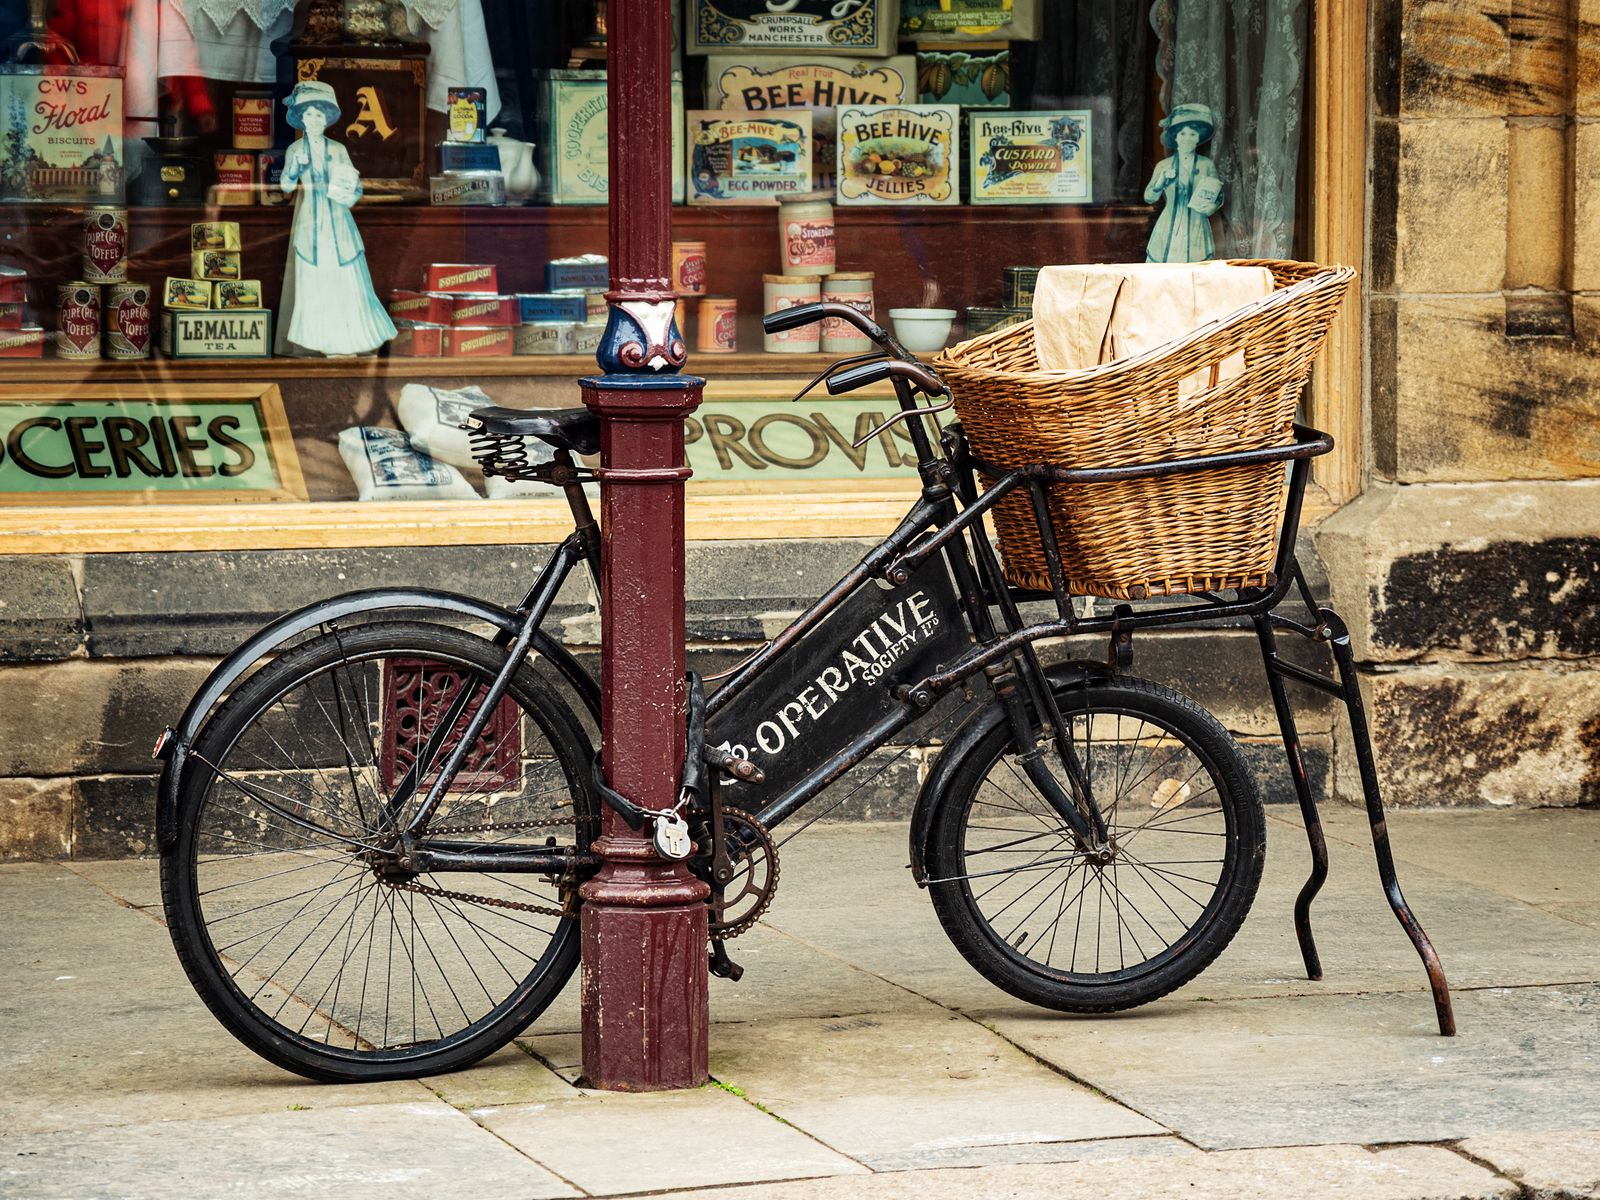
point(575, 429)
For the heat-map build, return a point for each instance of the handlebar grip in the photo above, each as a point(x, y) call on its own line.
point(858, 377)
point(806, 314)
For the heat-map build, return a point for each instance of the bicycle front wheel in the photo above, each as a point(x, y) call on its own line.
point(289, 892)
point(1041, 916)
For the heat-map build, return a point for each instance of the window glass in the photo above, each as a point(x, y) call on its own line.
point(271, 251)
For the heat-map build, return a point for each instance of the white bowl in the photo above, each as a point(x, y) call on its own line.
point(922, 330)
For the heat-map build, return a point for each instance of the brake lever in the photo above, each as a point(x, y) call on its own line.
point(903, 415)
point(853, 360)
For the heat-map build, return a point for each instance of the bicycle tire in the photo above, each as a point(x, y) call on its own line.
point(1191, 748)
point(239, 854)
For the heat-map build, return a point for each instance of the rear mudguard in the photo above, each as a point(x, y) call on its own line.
point(974, 730)
point(421, 601)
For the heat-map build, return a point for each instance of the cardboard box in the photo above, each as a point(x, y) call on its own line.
point(899, 154)
point(468, 156)
point(573, 147)
point(749, 158)
point(193, 295)
point(545, 337)
point(969, 20)
point(236, 293)
point(468, 188)
point(214, 235)
point(1032, 158)
point(215, 264)
point(238, 333)
point(869, 28)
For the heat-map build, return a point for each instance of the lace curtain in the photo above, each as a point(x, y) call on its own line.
point(1247, 60)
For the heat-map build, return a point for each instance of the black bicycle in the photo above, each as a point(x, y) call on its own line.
point(375, 815)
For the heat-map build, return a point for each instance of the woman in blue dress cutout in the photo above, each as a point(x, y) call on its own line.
point(1189, 184)
point(328, 306)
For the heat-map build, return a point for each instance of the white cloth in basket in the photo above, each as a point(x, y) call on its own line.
point(1085, 315)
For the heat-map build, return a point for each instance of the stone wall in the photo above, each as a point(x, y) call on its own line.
point(1475, 552)
point(98, 653)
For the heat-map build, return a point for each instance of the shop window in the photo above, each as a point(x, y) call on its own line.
point(266, 252)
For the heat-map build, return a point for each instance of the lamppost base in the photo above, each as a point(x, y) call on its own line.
point(645, 1015)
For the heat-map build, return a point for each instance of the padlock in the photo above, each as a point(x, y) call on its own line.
point(672, 836)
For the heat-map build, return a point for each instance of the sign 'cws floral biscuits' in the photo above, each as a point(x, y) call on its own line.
point(1031, 158)
point(61, 134)
point(899, 154)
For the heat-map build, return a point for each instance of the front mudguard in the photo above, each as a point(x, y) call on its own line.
point(174, 747)
point(965, 740)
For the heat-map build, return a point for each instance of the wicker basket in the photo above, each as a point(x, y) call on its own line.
point(1201, 532)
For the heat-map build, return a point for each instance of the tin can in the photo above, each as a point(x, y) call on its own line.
point(689, 268)
point(806, 237)
point(13, 284)
point(105, 245)
point(27, 342)
point(426, 308)
point(417, 340)
point(465, 341)
point(10, 314)
point(78, 320)
point(545, 337)
point(483, 308)
point(586, 337)
point(128, 320)
point(461, 277)
point(236, 177)
point(855, 289)
point(252, 121)
point(779, 292)
point(718, 329)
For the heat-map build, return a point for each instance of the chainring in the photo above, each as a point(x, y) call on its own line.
point(755, 877)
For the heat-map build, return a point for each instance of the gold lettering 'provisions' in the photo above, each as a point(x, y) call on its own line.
point(78, 321)
point(128, 321)
point(105, 245)
point(1032, 158)
point(899, 154)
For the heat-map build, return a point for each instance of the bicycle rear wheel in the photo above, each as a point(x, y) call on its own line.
point(286, 894)
point(1039, 916)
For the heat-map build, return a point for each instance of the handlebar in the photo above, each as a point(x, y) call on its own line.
point(857, 377)
point(806, 314)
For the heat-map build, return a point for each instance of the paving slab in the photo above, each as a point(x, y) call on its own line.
point(1302, 1173)
point(610, 1142)
point(913, 1088)
point(508, 1076)
point(1541, 856)
point(99, 1026)
point(424, 1151)
point(1366, 1069)
point(136, 882)
point(1550, 1166)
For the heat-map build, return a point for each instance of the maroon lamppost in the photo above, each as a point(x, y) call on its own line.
point(644, 918)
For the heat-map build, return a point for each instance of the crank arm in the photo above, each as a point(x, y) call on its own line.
point(527, 862)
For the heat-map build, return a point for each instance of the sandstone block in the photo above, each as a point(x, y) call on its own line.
point(1468, 403)
point(1450, 225)
point(40, 616)
point(1455, 58)
point(35, 818)
point(1586, 172)
point(1462, 737)
point(1549, 1166)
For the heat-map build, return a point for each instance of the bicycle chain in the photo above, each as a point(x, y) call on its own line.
point(423, 889)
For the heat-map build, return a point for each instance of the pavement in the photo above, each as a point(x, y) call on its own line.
point(861, 1057)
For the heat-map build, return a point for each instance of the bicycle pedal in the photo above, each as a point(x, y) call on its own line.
point(722, 966)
